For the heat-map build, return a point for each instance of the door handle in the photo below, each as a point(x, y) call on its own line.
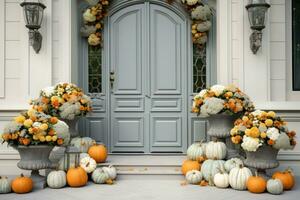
point(147, 96)
point(112, 79)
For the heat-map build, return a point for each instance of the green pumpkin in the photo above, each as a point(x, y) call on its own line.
point(232, 163)
point(195, 151)
point(5, 186)
point(211, 167)
point(274, 186)
point(99, 176)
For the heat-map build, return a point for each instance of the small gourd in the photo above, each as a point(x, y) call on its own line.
point(216, 150)
point(232, 163)
point(274, 186)
point(196, 151)
point(83, 143)
point(286, 177)
point(111, 171)
point(211, 167)
point(88, 164)
point(256, 184)
point(57, 179)
point(5, 186)
point(99, 176)
point(221, 179)
point(238, 177)
point(189, 165)
point(22, 184)
point(193, 177)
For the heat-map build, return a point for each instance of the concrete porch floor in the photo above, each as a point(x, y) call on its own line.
point(149, 188)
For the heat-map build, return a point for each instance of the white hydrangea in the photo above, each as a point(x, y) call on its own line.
point(273, 133)
point(191, 2)
point(218, 89)
point(88, 16)
point(212, 106)
point(48, 91)
point(202, 93)
point(36, 124)
point(69, 110)
point(62, 131)
point(12, 127)
point(250, 144)
point(283, 142)
point(256, 113)
point(202, 13)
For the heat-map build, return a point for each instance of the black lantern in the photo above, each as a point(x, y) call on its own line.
point(71, 157)
point(257, 10)
point(33, 16)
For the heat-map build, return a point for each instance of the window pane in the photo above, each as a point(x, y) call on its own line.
point(199, 68)
point(95, 69)
point(296, 45)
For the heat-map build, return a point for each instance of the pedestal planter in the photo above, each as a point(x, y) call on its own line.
point(35, 158)
point(219, 128)
point(264, 158)
point(72, 126)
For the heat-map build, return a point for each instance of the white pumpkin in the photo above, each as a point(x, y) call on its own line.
point(238, 177)
point(274, 186)
point(211, 167)
point(88, 164)
point(62, 162)
point(193, 177)
point(232, 163)
point(5, 186)
point(221, 180)
point(215, 150)
point(196, 150)
point(57, 179)
point(83, 144)
point(111, 171)
point(99, 176)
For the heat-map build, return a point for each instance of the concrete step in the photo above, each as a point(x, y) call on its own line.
point(146, 164)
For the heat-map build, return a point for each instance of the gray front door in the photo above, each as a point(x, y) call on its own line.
point(149, 94)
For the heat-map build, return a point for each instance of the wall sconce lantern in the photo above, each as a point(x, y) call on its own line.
point(257, 10)
point(33, 15)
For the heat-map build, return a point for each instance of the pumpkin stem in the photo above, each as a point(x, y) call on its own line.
point(22, 175)
point(215, 158)
point(241, 165)
point(87, 164)
point(256, 174)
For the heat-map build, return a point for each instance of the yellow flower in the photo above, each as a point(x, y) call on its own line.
point(54, 98)
point(20, 119)
point(263, 135)
point(269, 122)
point(54, 138)
point(271, 114)
point(234, 131)
point(35, 137)
point(30, 130)
point(44, 127)
point(61, 90)
point(31, 113)
point(245, 118)
point(42, 138)
point(247, 132)
point(254, 132)
point(28, 122)
point(48, 138)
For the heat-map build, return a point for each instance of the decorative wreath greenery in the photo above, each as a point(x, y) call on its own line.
point(93, 20)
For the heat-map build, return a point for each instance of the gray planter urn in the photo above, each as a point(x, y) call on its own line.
point(219, 127)
point(73, 126)
point(35, 158)
point(265, 157)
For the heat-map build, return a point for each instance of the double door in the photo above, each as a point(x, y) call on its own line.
point(148, 66)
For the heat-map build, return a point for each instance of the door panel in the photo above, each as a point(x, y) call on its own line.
point(127, 93)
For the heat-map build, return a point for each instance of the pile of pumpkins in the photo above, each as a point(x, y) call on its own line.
point(206, 166)
point(91, 154)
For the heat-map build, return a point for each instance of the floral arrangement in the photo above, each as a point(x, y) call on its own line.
point(36, 128)
point(65, 100)
point(201, 15)
point(260, 128)
point(221, 99)
point(93, 21)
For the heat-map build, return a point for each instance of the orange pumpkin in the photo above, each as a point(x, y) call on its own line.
point(189, 165)
point(286, 177)
point(98, 152)
point(22, 184)
point(256, 184)
point(77, 177)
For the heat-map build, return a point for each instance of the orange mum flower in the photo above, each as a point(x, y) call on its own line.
point(271, 142)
